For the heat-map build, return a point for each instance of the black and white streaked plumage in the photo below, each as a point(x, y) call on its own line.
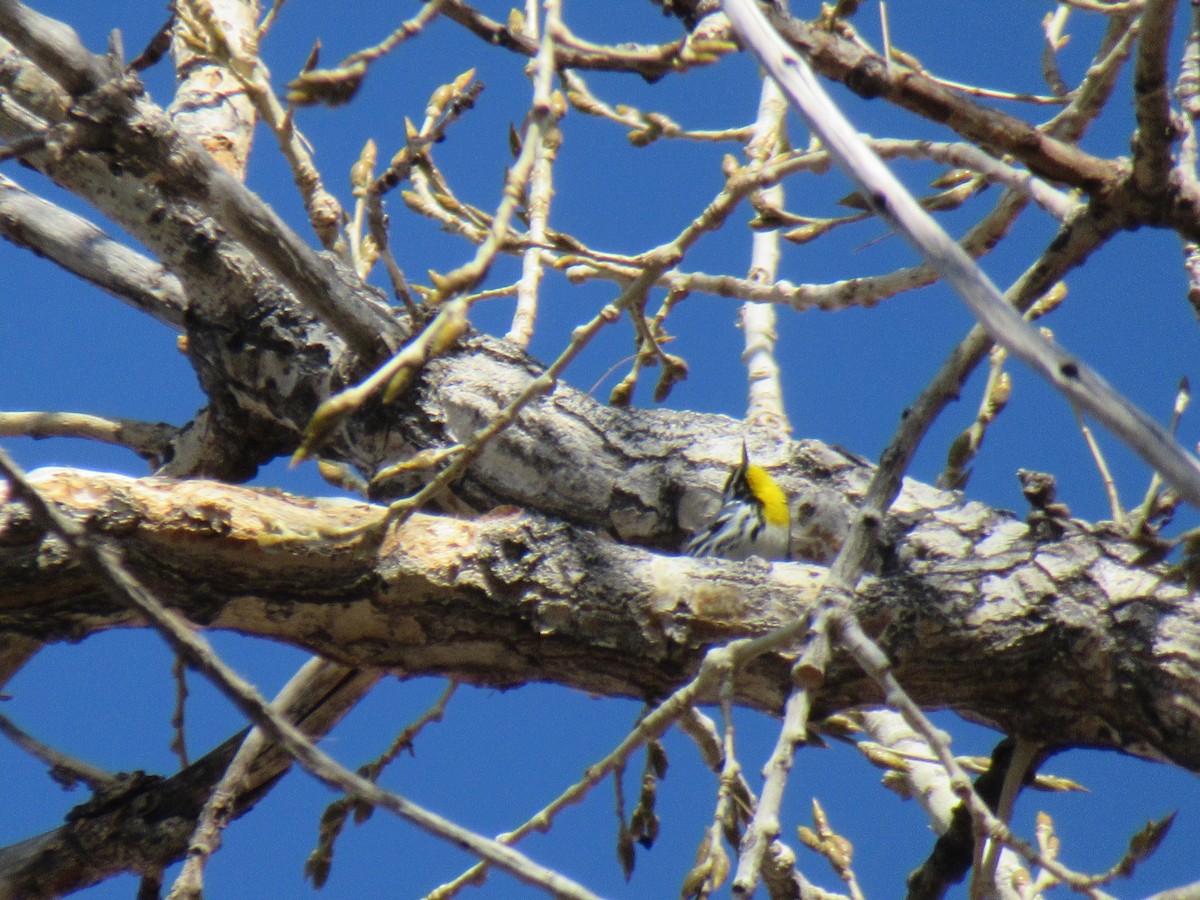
point(754, 519)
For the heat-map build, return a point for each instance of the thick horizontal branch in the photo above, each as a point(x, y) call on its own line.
point(978, 611)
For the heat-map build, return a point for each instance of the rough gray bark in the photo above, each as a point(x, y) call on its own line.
point(978, 612)
point(1053, 630)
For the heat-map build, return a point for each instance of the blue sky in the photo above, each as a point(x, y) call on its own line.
point(499, 757)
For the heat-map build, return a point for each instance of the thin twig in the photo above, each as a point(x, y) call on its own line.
point(651, 61)
point(1106, 477)
point(764, 826)
point(1090, 97)
point(149, 440)
point(581, 263)
point(338, 85)
point(179, 740)
point(1142, 518)
point(269, 19)
point(541, 184)
point(765, 406)
point(333, 820)
point(65, 769)
point(654, 724)
point(1052, 28)
point(1114, 8)
point(389, 379)
point(325, 213)
point(645, 127)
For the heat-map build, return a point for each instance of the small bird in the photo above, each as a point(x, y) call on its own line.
point(754, 519)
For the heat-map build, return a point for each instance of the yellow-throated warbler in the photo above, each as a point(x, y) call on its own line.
point(754, 519)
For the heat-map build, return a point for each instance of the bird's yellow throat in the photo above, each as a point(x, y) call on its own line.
point(769, 494)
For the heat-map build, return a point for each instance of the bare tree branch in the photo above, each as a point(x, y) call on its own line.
point(80, 247)
point(867, 75)
point(1156, 132)
point(147, 439)
point(623, 631)
point(905, 593)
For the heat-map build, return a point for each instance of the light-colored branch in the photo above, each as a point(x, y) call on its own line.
point(233, 52)
point(541, 183)
point(1116, 509)
point(196, 181)
point(389, 379)
point(1053, 24)
point(734, 798)
point(1092, 94)
point(54, 47)
point(765, 407)
point(339, 85)
point(541, 120)
point(203, 522)
point(359, 600)
point(211, 102)
point(84, 250)
point(644, 127)
point(64, 769)
point(147, 439)
point(1109, 8)
point(764, 825)
point(1184, 892)
point(581, 263)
